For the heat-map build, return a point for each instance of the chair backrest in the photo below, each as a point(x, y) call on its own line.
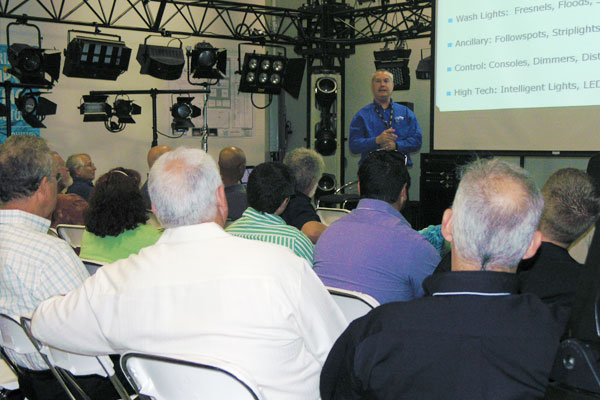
point(353, 304)
point(91, 265)
point(329, 215)
point(8, 379)
point(71, 234)
point(164, 378)
point(13, 337)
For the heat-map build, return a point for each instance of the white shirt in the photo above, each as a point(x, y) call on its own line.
point(200, 291)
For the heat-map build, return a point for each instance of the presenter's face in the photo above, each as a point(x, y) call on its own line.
point(382, 87)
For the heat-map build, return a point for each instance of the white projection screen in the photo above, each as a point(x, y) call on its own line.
point(516, 76)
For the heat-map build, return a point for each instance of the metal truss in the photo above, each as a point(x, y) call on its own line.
point(319, 29)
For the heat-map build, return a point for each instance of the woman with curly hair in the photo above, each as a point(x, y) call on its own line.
point(115, 220)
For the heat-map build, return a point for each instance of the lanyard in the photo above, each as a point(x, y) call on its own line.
point(386, 123)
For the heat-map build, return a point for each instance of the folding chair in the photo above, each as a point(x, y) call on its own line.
point(329, 215)
point(71, 234)
point(8, 377)
point(164, 378)
point(353, 304)
point(15, 338)
point(76, 364)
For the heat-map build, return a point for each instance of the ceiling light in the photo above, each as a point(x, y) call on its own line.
point(34, 108)
point(183, 111)
point(207, 62)
point(31, 64)
point(162, 62)
point(124, 109)
point(96, 58)
point(95, 109)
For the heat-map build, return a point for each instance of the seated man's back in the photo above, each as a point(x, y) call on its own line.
point(374, 250)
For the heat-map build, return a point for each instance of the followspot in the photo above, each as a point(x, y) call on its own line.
point(325, 92)
point(207, 62)
point(95, 58)
point(31, 64)
point(34, 108)
point(396, 62)
point(124, 109)
point(95, 109)
point(182, 111)
point(162, 62)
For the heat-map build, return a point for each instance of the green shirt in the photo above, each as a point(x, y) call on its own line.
point(271, 228)
point(109, 249)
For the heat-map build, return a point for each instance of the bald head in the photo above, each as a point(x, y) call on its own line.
point(156, 152)
point(232, 164)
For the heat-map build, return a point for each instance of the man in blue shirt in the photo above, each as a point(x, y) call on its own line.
point(384, 124)
point(374, 250)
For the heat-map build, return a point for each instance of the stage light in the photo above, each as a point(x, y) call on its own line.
point(182, 111)
point(395, 61)
point(162, 62)
point(34, 108)
point(124, 109)
point(95, 58)
point(31, 64)
point(325, 92)
point(95, 109)
point(425, 68)
point(207, 62)
point(262, 73)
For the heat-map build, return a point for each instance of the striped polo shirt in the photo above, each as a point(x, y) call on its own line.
point(271, 228)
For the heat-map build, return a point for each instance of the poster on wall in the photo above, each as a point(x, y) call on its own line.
point(18, 125)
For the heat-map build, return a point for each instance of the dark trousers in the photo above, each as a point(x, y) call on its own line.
point(42, 385)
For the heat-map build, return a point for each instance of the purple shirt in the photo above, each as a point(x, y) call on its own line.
point(374, 250)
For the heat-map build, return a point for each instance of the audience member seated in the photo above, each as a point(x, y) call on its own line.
point(307, 166)
point(35, 265)
point(472, 336)
point(153, 155)
point(580, 247)
point(200, 291)
point(571, 206)
point(270, 186)
point(374, 250)
point(115, 221)
point(83, 172)
point(69, 207)
point(232, 165)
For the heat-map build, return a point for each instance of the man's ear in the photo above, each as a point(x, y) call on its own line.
point(404, 193)
point(282, 206)
point(536, 241)
point(358, 186)
point(222, 206)
point(447, 225)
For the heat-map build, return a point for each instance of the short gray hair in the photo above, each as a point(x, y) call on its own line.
point(24, 161)
point(572, 204)
point(74, 161)
point(306, 164)
point(183, 187)
point(385, 71)
point(495, 213)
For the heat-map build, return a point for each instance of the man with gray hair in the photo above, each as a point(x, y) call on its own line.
point(83, 172)
point(472, 335)
point(33, 265)
point(307, 166)
point(200, 293)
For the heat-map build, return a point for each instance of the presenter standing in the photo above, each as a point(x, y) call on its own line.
point(384, 124)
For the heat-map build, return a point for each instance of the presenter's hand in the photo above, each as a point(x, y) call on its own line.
point(387, 139)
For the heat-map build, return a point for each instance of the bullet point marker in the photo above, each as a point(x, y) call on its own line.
point(448, 93)
point(449, 69)
point(450, 20)
point(449, 44)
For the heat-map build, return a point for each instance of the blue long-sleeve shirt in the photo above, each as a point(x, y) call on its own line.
point(366, 126)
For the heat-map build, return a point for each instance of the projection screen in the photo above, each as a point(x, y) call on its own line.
point(516, 75)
